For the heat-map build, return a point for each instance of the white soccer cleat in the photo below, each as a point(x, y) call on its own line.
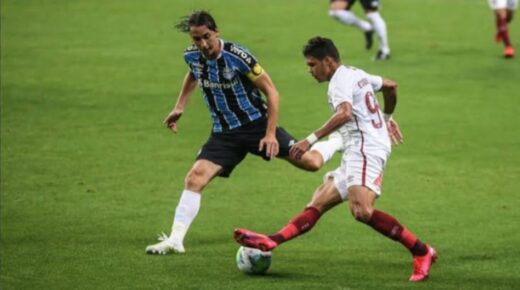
point(165, 246)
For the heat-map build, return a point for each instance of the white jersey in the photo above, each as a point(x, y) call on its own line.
point(366, 132)
point(503, 4)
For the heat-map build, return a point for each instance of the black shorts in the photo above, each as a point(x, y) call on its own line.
point(367, 4)
point(228, 149)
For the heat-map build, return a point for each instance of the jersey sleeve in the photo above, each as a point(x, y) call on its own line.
point(191, 54)
point(245, 62)
point(375, 81)
point(341, 91)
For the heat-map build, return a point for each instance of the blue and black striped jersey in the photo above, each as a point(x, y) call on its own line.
point(232, 98)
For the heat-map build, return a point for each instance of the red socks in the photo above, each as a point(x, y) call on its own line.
point(302, 223)
point(390, 227)
point(503, 30)
point(380, 221)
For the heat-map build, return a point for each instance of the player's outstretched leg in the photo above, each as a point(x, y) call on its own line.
point(300, 224)
point(185, 213)
point(349, 18)
point(361, 200)
point(423, 255)
point(253, 240)
point(503, 34)
point(329, 147)
point(188, 207)
point(380, 29)
point(320, 153)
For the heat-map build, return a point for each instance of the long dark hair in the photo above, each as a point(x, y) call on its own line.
point(197, 18)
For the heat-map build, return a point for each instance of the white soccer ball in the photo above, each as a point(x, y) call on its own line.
point(253, 261)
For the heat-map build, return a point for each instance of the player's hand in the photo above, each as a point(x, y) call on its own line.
point(271, 146)
point(171, 120)
point(298, 149)
point(394, 132)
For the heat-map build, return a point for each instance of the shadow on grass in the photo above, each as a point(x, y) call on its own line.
point(283, 275)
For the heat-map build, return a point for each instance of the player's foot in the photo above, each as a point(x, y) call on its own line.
point(254, 240)
point(382, 56)
point(509, 52)
point(422, 265)
point(338, 140)
point(498, 37)
point(165, 246)
point(369, 39)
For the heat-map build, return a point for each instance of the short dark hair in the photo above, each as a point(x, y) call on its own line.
point(197, 18)
point(321, 47)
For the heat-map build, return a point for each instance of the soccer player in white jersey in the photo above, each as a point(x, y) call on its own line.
point(368, 137)
point(341, 10)
point(504, 10)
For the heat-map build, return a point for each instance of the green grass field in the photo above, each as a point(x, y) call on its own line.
point(89, 175)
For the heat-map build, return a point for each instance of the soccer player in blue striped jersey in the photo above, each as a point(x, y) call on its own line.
point(232, 82)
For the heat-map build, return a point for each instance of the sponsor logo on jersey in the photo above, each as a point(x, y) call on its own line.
point(214, 85)
point(228, 73)
point(242, 54)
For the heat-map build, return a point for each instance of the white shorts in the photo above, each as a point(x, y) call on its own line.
point(503, 4)
point(358, 169)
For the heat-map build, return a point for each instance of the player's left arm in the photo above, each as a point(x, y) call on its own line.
point(250, 67)
point(342, 115)
point(389, 90)
point(264, 83)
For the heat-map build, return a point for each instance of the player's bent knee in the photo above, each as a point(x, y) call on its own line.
point(310, 165)
point(361, 217)
point(362, 213)
point(195, 180)
point(314, 160)
point(314, 165)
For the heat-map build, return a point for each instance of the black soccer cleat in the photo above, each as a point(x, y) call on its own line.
point(369, 39)
point(381, 56)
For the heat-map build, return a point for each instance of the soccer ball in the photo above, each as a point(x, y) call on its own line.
point(253, 261)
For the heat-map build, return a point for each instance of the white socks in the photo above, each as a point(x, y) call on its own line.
point(380, 29)
point(350, 18)
point(328, 148)
point(185, 213)
point(378, 25)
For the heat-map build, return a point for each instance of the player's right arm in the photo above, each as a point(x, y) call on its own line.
point(342, 115)
point(188, 86)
